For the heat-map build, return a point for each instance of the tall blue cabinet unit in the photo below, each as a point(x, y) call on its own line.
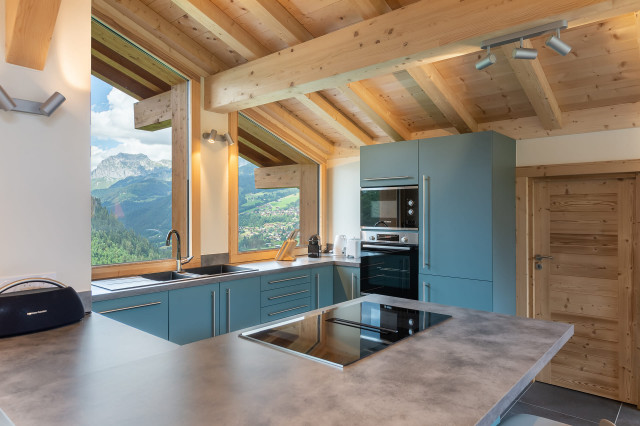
point(467, 221)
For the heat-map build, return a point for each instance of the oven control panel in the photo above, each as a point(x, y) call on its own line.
point(389, 237)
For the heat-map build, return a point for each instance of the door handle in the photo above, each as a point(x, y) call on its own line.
point(426, 292)
point(539, 257)
point(426, 222)
point(353, 293)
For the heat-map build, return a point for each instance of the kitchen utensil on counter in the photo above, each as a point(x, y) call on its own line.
point(39, 309)
point(314, 246)
point(286, 251)
point(339, 244)
point(353, 247)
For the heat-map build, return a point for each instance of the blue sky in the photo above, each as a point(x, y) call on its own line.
point(112, 128)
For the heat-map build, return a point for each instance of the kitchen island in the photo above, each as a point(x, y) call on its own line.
point(465, 371)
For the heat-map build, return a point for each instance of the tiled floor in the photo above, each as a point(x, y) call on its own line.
point(572, 407)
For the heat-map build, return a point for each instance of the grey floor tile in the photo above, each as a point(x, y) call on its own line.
point(629, 416)
point(570, 402)
point(524, 408)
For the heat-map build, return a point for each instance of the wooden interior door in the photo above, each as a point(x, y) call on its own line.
point(585, 225)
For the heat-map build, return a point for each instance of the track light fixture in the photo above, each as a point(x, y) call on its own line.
point(521, 52)
point(558, 45)
point(524, 52)
point(487, 61)
point(46, 108)
point(213, 137)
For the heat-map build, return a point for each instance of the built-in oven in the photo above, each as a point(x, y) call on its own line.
point(389, 263)
point(389, 207)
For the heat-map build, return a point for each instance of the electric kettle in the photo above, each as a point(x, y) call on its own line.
point(339, 245)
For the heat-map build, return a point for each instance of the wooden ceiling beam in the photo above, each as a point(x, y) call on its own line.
point(269, 158)
point(253, 156)
point(29, 27)
point(394, 41)
point(222, 26)
point(330, 115)
point(139, 23)
point(266, 117)
point(278, 19)
point(264, 147)
point(536, 86)
point(122, 81)
point(376, 110)
point(372, 8)
point(637, 15)
point(271, 140)
point(153, 113)
point(435, 87)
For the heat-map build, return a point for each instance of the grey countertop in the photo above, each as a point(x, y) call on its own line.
point(465, 371)
point(302, 262)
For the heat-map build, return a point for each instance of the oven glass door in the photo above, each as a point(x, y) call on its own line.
point(395, 207)
point(392, 271)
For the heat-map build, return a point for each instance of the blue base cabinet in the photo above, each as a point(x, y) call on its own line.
point(239, 304)
point(146, 312)
point(346, 283)
point(472, 294)
point(322, 287)
point(193, 313)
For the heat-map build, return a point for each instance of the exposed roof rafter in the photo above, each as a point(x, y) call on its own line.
point(278, 19)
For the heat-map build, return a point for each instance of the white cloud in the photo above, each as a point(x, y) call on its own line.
point(116, 124)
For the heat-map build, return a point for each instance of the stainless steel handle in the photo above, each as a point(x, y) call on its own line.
point(288, 279)
point(31, 280)
point(288, 294)
point(130, 307)
point(388, 178)
point(353, 279)
point(539, 257)
point(395, 248)
point(228, 310)
point(318, 291)
point(426, 222)
point(287, 310)
point(213, 314)
point(426, 292)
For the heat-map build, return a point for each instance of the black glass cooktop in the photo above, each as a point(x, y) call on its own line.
point(343, 335)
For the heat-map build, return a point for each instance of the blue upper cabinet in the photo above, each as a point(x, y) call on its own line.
point(193, 313)
point(239, 304)
point(390, 164)
point(467, 204)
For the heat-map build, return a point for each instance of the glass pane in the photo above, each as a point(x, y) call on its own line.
point(130, 182)
point(265, 216)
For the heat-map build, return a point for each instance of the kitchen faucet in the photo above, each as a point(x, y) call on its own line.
point(179, 261)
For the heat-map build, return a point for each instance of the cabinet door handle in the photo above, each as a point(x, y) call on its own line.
point(426, 222)
point(213, 314)
point(288, 294)
point(287, 310)
point(289, 279)
point(318, 291)
point(426, 292)
point(388, 178)
point(228, 310)
point(130, 307)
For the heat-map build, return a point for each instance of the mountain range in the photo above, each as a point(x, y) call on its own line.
point(117, 167)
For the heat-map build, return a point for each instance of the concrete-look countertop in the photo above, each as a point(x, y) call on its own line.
point(465, 371)
point(265, 267)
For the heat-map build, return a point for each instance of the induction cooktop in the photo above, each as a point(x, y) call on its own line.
point(343, 335)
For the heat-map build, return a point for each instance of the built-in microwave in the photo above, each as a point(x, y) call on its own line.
point(389, 207)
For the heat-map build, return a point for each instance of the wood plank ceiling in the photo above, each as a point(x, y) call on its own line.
point(595, 87)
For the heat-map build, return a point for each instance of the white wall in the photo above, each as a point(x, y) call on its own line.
point(44, 162)
point(598, 146)
point(343, 186)
point(214, 177)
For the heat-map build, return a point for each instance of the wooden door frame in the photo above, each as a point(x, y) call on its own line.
point(525, 177)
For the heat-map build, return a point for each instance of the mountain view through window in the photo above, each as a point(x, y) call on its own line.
point(130, 182)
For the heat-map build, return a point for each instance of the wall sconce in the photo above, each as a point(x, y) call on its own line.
point(31, 107)
point(213, 137)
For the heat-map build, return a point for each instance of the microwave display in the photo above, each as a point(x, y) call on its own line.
point(391, 207)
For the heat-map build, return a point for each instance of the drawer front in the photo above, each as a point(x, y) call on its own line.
point(285, 279)
point(285, 294)
point(146, 312)
point(283, 310)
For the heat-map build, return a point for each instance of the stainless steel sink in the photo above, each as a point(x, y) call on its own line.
point(218, 270)
point(169, 276)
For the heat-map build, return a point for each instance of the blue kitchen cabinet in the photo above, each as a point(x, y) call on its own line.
point(346, 283)
point(322, 287)
point(239, 304)
point(472, 294)
point(193, 313)
point(389, 164)
point(467, 213)
point(146, 312)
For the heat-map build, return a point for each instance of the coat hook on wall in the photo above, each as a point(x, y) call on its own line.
point(46, 108)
